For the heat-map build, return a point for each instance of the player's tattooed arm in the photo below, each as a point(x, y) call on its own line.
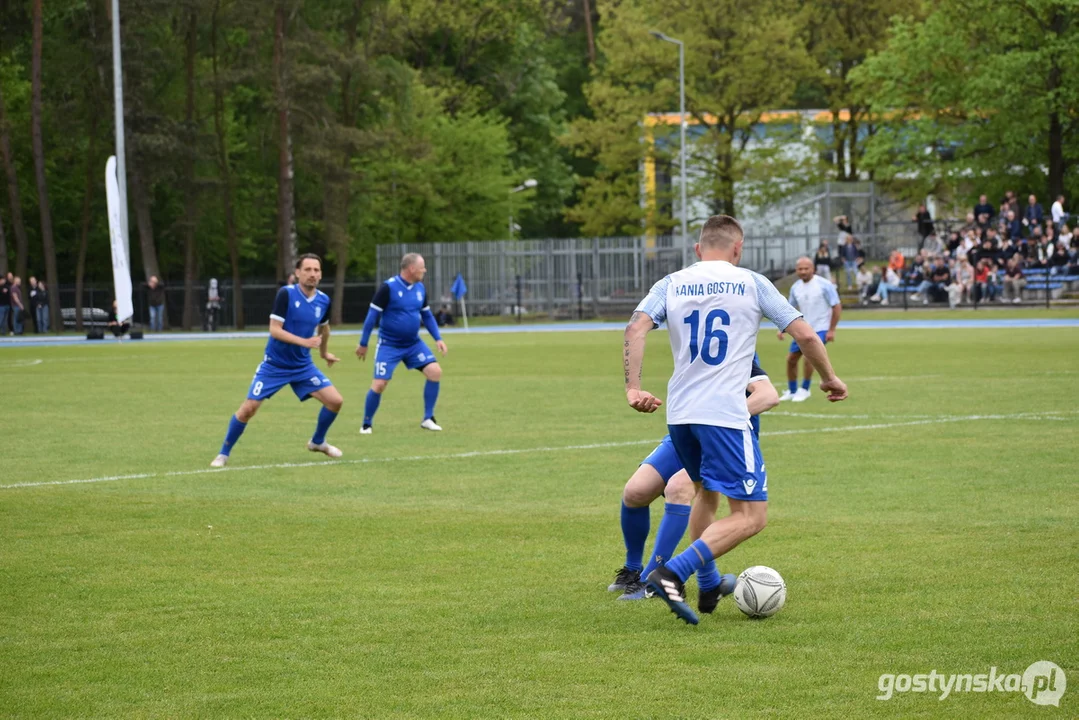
point(633, 360)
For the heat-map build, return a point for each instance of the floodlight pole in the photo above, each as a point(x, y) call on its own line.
point(527, 184)
point(682, 134)
point(118, 102)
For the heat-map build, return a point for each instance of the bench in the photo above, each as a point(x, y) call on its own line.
point(91, 318)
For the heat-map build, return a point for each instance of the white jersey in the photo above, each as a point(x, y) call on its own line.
point(713, 311)
point(815, 299)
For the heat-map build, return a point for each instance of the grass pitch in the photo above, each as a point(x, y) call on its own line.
point(928, 523)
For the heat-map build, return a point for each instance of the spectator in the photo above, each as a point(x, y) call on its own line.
point(157, 304)
point(935, 287)
point(933, 245)
point(1057, 211)
point(844, 226)
point(849, 252)
point(889, 283)
point(954, 240)
point(896, 261)
point(39, 305)
point(32, 301)
point(118, 329)
point(1013, 201)
point(1015, 226)
point(985, 278)
point(18, 311)
point(5, 304)
point(1033, 216)
point(964, 283)
point(1059, 260)
point(1014, 282)
point(864, 278)
point(925, 222)
point(823, 261)
point(984, 208)
point(213, 306)
point(1066, 234)
point(443, 317)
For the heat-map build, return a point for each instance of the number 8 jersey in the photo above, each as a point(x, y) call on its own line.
point(713, 311)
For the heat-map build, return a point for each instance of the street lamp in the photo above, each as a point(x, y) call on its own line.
point(526, 185)
point(682, 132)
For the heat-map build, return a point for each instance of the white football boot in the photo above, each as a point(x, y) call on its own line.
point(220, 461)
point(430, 424)
point(324, 448)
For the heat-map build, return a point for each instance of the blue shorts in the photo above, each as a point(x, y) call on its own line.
point(415, 357)
point(726, 460)
point(270, 378)
point(822, 335)
point(664, 459)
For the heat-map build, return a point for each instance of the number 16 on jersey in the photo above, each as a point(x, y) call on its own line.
point(711, 332)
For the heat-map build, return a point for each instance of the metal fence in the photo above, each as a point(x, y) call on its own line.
point(258, 297)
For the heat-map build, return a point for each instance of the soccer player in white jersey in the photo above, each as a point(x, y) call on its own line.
point(819, 302)
point(713, 311)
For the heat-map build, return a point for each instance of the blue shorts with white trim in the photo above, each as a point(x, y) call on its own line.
point(270, 378)
point(387, 357)
point(664, 459)
point(726, 460)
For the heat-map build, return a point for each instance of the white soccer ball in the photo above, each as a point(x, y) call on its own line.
point(760, 592)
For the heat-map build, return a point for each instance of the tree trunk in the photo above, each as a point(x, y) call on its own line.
point(190, 191)
point(141, 200)
point(3, 248)
point(48, 246)
point(589, 33)
point(1058, 24)
point(286, 251)
point(226, 177)
point(17, 224)
point(335, 213)
point(84, 236)
point(854, 149)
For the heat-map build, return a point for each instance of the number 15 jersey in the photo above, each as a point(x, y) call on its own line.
point(713, 311)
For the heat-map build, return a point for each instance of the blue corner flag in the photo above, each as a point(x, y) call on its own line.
point(459, 288)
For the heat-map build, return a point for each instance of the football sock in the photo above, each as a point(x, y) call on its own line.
point(690, 560)
point(792, 385)
point(430, 397)
point(708, 576)
point(236, 429)
point(635, 523)
point(371, 406)
point(671, 529)
point(807, 383)
point(325, 419)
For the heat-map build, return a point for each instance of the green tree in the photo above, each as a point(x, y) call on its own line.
point(741, 61)
point(981, 91)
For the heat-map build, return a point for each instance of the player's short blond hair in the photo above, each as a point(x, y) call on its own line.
point(720, 232)
point(409, 260)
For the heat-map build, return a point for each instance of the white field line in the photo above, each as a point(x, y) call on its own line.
point(522, 451)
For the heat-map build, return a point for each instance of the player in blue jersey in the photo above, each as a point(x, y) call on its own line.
point(661, 473)
point(401, 303)
point(299, 322)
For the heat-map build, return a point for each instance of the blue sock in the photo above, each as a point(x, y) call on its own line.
point(793, 386)
point(236, 429)
point(690, 560)
point(325, 419)
point(671, 529)
point(708, 576)
point(635, 523)
point(371, 406)
point(807, 383)
point(430, 397)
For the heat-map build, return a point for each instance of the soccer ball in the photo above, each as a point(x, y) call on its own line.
point(760, 592)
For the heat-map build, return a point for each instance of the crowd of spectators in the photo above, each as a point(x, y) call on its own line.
point(989, 257)
point(19, 310)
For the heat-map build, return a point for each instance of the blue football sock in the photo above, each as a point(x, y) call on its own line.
point(807, 383)
point(325, 419)
point(430, 397)
point(635, 522)
point(793, 386)
point(708, 576)
point(690, 560)
point(236, 429)
point(671, 529)
point(371, 406)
